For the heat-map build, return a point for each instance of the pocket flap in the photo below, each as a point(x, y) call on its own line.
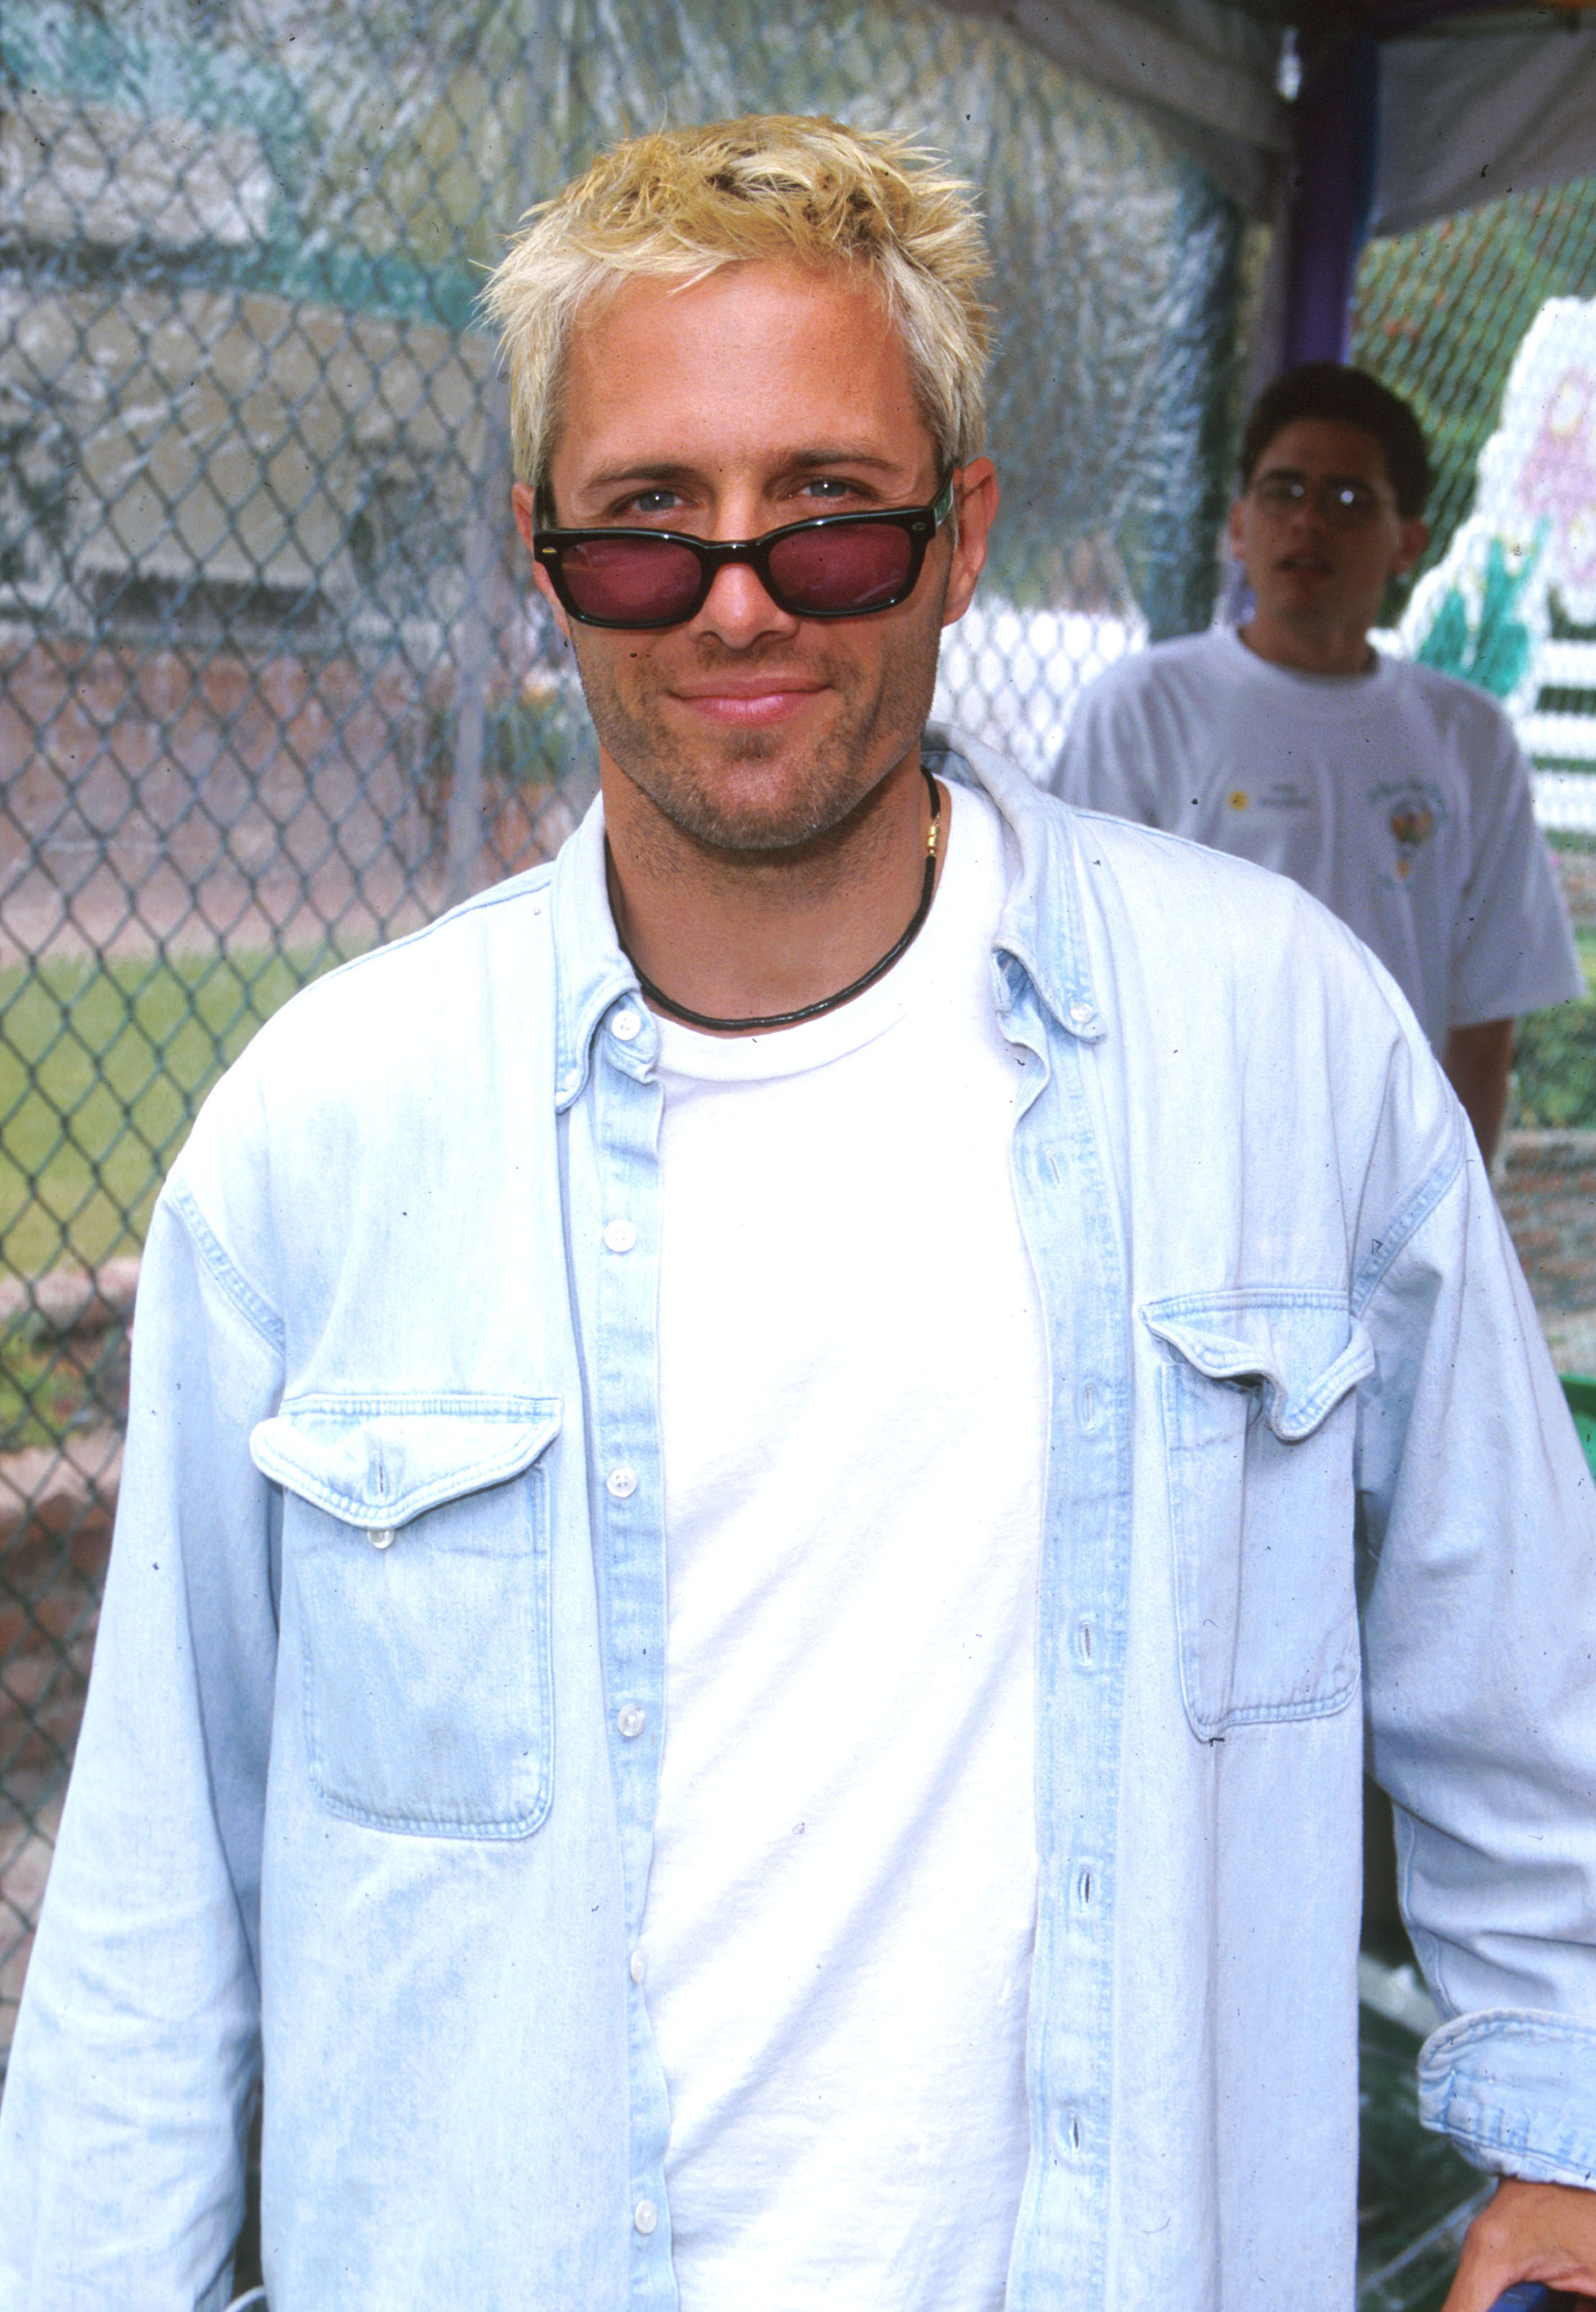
point(378, 1462)
point(1304, 1350)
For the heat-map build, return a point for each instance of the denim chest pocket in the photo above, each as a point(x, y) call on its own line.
point(416, 1531)
point(1257, 1399)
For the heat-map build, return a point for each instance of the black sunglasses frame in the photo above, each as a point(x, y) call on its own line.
point(921, 524)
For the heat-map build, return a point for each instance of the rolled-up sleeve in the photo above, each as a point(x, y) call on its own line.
point(1478, 1519)
point(121, 2131)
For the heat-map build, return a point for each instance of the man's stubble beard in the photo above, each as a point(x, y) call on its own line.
point(868, 737)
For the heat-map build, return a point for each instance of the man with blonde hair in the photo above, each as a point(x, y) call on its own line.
point(733, 1647)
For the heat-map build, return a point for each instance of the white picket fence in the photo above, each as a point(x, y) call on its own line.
point(1565, 797)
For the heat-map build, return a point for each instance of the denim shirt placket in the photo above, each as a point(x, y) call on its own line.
point(616, 1227)
point(1066, 1216)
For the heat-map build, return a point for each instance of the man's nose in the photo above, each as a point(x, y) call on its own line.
point(739, 612)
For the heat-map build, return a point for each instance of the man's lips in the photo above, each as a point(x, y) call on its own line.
point(745, 700)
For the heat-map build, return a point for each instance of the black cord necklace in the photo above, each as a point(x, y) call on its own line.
point(663, 1003)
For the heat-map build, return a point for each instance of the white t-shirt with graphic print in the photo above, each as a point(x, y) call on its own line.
point(1399, 798)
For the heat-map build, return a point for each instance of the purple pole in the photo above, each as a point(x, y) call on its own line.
point(1332, 191)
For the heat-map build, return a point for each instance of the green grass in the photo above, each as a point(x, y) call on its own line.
point(1555, 1060)
point(103, 1068)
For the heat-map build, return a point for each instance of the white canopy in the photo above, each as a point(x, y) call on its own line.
point(1471, 107)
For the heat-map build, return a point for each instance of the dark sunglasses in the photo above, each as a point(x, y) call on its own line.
point(839, 565)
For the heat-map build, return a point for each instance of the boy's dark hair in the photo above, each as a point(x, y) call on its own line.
point(1347, 397)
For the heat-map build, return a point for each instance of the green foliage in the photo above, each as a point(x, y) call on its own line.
point(533, 737)
point(48, 1389)
point(1409, 2181)
point(1554, 1063)
point(1554, 1058)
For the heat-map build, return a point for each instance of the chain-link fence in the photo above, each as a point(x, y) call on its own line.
point(1441, 313)
point(272, 685)
point(1485, 323)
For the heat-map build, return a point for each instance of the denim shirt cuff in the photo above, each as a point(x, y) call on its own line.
point(1515, 2090)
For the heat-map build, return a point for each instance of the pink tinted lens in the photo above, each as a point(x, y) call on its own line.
point(641, 578)
point(854, 568)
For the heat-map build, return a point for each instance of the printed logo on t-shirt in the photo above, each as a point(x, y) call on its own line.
point(1280, 794)
point(1412, 810)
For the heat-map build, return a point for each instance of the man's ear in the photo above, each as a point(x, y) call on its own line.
point(525, 504)
point(1413, 537)
point(975, 496)
point(1233, 530)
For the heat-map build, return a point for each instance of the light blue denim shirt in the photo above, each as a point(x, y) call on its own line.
point(368, 1772)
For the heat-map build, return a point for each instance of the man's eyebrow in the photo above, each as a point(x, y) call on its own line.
point(1336, 481)
point(808, 460)
point(845, 454)
point(610, 477)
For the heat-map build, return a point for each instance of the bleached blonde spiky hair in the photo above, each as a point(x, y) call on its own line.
point(682, 203)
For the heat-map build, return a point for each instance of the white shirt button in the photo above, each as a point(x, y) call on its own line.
point(639, 1967)
point(627, 1025)
point(620, 1236)
point(631, 1721)
point(646, 2216)
point(570, 1084)
point(1080, 1013)
point(382, 1536)
point(622, 1483)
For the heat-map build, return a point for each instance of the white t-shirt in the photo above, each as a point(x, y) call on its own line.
point(1399, 798)
point(853, 1397)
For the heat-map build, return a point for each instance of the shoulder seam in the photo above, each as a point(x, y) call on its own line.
point(252, 1306)
point(1375, 1268)
point(497, 895)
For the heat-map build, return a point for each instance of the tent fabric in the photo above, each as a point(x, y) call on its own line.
point(1469, 116)
point(1467, 112)
point(1203, 72)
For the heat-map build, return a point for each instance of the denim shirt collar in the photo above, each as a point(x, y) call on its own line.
point(593, 972)
point(1044, 939)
